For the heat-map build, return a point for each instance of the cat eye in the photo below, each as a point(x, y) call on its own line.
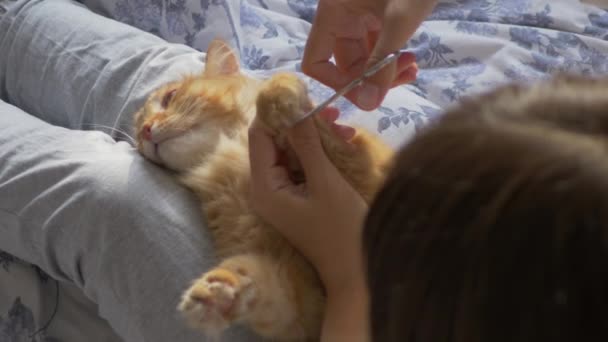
point(167, 98)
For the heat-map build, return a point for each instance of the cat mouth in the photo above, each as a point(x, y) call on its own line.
point(156, 151)
point(151, 151)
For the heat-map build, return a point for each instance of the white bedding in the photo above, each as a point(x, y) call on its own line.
point(465, 47)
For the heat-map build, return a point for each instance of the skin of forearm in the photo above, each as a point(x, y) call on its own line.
point(347, 314)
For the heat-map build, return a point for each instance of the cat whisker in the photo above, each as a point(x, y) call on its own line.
point(114, 129)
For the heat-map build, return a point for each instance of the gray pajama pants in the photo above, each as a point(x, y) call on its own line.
point(89, 210)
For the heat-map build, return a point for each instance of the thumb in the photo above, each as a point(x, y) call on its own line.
point(306, 142)
point(401, 20)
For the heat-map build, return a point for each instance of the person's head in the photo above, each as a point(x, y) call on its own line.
point(493, 225)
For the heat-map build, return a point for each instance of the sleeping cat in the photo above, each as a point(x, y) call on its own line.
point(198, 127)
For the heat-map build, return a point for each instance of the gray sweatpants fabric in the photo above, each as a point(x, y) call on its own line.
point(85, 208)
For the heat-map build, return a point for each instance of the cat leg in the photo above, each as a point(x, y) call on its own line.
point(219, 298)
point(363, 160)
point(277, 301)
point(282, 100)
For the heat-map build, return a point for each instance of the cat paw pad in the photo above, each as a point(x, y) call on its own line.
point(216, 300)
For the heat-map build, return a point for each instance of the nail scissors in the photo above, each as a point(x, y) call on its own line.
point(372, 70)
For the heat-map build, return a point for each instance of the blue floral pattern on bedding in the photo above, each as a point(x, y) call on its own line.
point(18, 323)
point(465, 47)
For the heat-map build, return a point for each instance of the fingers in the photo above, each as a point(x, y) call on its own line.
point(407, 76)
point(400, 23)
point(330, 115)
point(401, 19)
point(340, 33)
point(369, 99)
point(359, 37)
point(318, 52)
point(406, 61)
point(345, 133)
point(351, 56)
point(273, 195)
point(267, 175)
point(271, 178)
point(306, 142)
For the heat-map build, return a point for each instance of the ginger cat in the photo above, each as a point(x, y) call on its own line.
point(198, 127)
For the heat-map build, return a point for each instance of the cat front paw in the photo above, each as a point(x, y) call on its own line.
point(283, 100)
point(216, 300)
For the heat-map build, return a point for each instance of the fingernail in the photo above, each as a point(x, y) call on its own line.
point(368, 95)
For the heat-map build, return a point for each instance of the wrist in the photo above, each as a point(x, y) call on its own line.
point(344, 266)
point(347, 316)
point(345, 279)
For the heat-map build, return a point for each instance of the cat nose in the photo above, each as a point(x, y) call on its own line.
point(147, 132)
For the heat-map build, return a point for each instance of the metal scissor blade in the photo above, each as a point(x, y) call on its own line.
point(353, 84)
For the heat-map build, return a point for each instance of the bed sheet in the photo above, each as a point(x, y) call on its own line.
point(36, 308)
point(466, 47)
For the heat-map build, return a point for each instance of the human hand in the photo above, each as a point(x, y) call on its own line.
point(322, 217)
point(359, 33)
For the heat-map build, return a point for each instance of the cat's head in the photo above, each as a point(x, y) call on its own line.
point(182, 121)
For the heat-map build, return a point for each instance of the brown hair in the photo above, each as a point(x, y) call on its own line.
point(493, 225)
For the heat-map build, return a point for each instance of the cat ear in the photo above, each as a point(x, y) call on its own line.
point(221, 59)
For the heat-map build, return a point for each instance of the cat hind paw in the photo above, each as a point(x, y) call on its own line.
point(216, 300)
